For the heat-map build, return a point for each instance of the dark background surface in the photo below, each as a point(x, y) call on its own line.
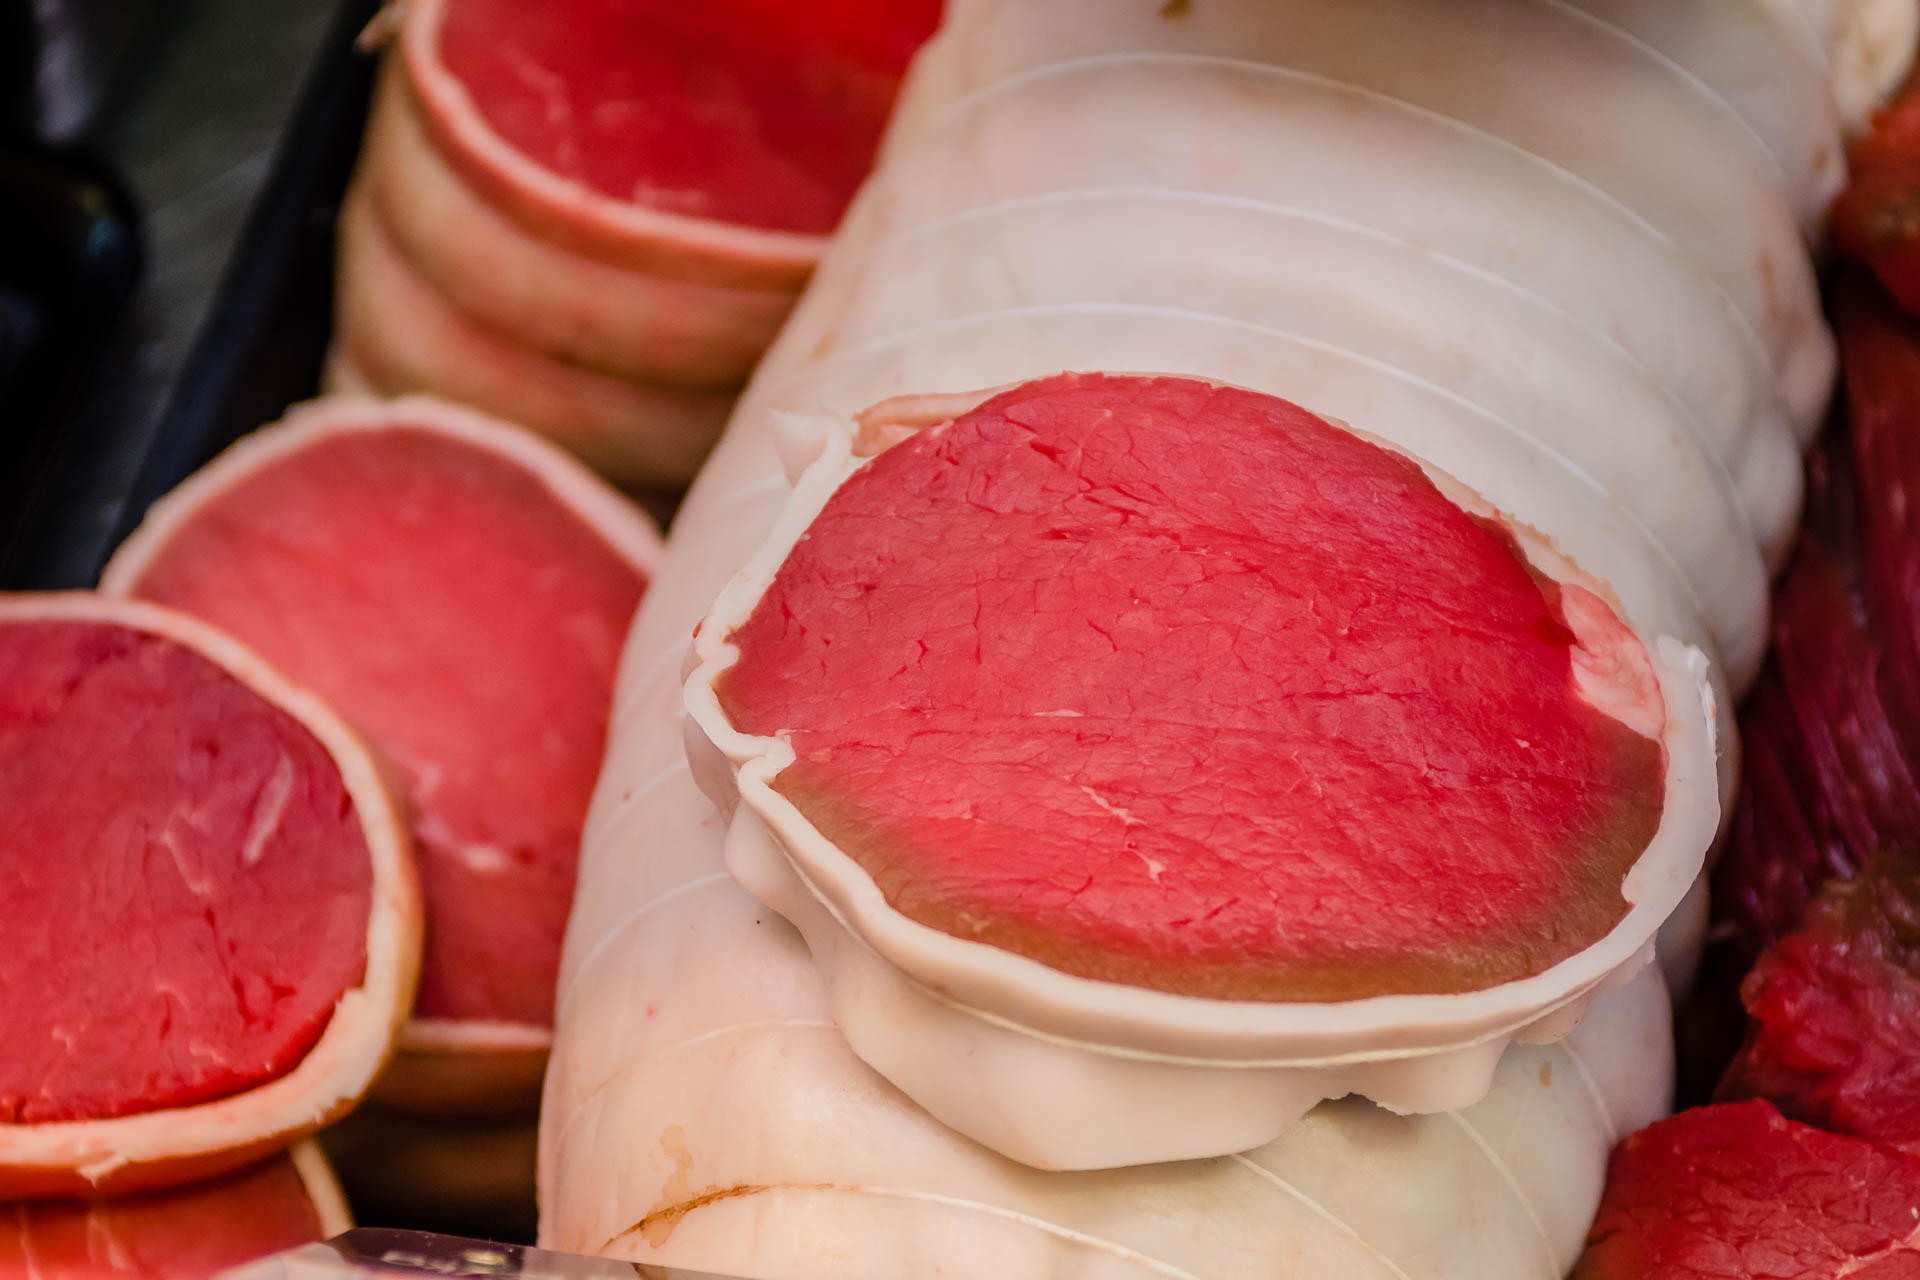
point(230, 126)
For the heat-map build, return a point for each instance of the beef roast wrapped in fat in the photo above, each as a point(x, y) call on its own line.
point(1050, 198)
point(215, 924)
point(592, 217)
point(1158, 749)
point(456, 587)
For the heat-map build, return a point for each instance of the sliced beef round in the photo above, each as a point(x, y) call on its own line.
point(1185, 688)
point(459, 590)
point(212, 928)
point(185, 1234)
point(586, 117)
point(1173, 719)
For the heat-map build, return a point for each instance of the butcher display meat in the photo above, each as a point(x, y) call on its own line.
point(1421, 224)
point(457, 588)
point(1112, 692)
point(213, 923)
point(592, 218)
point(1167, 571)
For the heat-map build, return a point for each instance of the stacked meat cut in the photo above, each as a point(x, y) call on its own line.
point(436, 595)
point(932, 942)
point(249, 829)
point(212, 939)
point(591, 218)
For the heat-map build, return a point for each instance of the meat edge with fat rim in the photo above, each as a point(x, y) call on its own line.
point(445, 1065)
point(1045, 1050)
point(174, 1145)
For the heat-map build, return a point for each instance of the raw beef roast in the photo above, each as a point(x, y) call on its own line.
point(1735, 1191)
point(1417, 220)
point(1115, 704)
point(593, 217)
point(214, 926)
point(457, 589)
point(1157, 583)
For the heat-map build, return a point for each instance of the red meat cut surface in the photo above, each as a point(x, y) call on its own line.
point(441, 597)
point(1835, 1009)
point(184, 883)
point(1180, 686)
point(758, 112)
point(188, 1234)
point(1736, 1192)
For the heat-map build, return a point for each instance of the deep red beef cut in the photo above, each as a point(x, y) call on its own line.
point(1835, 1009)
point(1877, 218)
point(185, 1234)
point(751, 113)
point(1183, 687)
point(458, 589)
point(1736, 1192)
point(249, 820)
point(211, 929)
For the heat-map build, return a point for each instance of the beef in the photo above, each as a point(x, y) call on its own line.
point(1076, 187)
point(592, 218)
point(743, 111)
point(1736, 1192)
point(401, 337)
point(1182, 687)
point(214, 835)
point(1827, 774)
point(458, 589)
point(213, 929)
point(1835, 1010)
point(1876, 220)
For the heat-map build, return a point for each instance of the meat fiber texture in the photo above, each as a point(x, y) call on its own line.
point(1832, 729)
point(186, 1234)
point(1835, 1011)
point(215, 926)
point(1831, 1189)
point(1454, 252)
point(1133, 947)
point(457, 588)
point(1737, 1192)
point(593, 218)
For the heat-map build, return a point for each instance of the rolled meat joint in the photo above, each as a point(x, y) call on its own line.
point(457, 588)
point(185, 1234)
point(1421, 224)
point(213, 927)
point(594, 217)
point(1154, 748)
